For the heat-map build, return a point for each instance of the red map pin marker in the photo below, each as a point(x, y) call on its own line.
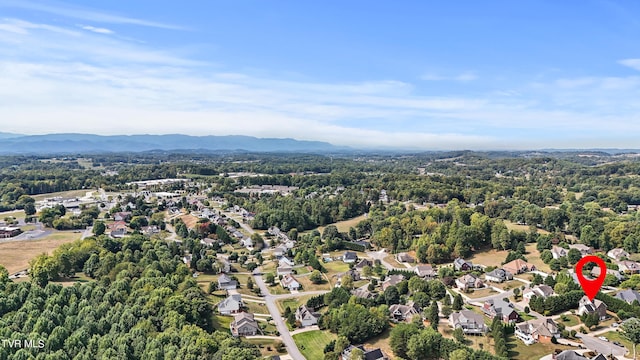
point(591, 287)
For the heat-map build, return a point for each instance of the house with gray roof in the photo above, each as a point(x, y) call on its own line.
point(231, 305)
point(628, 295)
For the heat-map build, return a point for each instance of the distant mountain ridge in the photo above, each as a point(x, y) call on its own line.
point(89, 143)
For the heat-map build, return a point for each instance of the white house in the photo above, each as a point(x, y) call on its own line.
point(289, 282)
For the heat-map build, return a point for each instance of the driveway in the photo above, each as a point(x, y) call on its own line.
point(292, 349)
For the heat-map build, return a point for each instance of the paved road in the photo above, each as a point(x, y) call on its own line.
point(292, 349)
point(380, 255)
point(601, 346)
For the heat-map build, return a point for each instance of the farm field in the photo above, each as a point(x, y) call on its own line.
point(15, 255)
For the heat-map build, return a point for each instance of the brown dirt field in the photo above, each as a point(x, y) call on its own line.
point(15, 256)
point(343, 226)
point(189, 220)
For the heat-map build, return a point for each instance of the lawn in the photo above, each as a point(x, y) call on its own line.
point(391, 259)
point(312, 343)
point(335, 267)
point(525, 228)
point(307, 285)
point(571, 321)
point(14, 214)
point(518, 350)
point(256, 308)
point(478, 293)
point(222, 323)
point(15, 255)
point(77, 278)
point(508, 284)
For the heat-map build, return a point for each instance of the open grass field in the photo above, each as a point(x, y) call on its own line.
point(307, 285)
point(513, 226)
point(489, 258)
point(533, 256)
point(479, 293)
point(312, 343)
point(381, 341)
point(343, 226)
point(518, 350)
point(572, 320)
point(256, 308)
point(14, 214)
point(15, 255)
point(77, 278)
point(335, 267)
point(63, 194)
point(508, 284)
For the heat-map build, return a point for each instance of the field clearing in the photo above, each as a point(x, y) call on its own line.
point(489, 258)
point(343, 226)
point(307, 285)
point(533, 256)
point(15, 255)
point(63, 194)
point(525, 228)
point(267, 346)
point(312, 343)
point(77, 278)
point(256, 308)
point(189, 220)
point(292, 303)
point(479, 293)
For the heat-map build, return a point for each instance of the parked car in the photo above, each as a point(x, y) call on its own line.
point(617, 343)
point(603, 338)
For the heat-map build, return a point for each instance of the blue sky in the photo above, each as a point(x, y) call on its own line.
point(403, 74)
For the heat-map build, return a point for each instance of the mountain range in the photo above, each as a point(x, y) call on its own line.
point(88, 143)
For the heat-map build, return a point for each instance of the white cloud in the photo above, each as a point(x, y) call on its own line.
point(462, 77)
point(97, 29)
point(632, 63)
point(74, 12)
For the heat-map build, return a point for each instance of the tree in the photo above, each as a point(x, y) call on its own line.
point(213, 286)
point(29, 209)
point(316, 277)
point(630, 330)
point(573, 256)
point(366, 271)
point(591, 320)
point(249, 283)
point(270, 278)
point(516, 293)
point(400, 336)
point(357, 354)
point(459, 354)
point(346, 281)
point(457, 302)
point(458, 334)
point(433, 316)
point(99, 228)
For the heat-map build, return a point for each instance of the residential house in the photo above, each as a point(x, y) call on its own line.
point(586, 306)
point(349, 257)
point(289, 282)
point(595, 272)
point(284, 270)
point(629, 296)
point(425, 271)
point(118, 229)
point(392, 280)
point(541, 290)
point(226, 283)
point(122, 216)
point(618, 254)
point(371, 354)
point(353, 273)
point(279, 251)
point(285, 261)
point(504, 310)
point(225, 266)
point(187, 259)
point(462, 265)
point(572, 355)
point(406, 312)
point(247, 242)
point(629, 267)
point(469, 281)
point(468, 321)
point(498, 275)
point(364, 263)
point(538, 330)
point(231, 305)
point(306, 316)
point(557, 252)
point(244, 324)
point(208, 242)
point(403, 257)
point(362, 292)
point(584, 249)
point(518, 266)
point(150, 230)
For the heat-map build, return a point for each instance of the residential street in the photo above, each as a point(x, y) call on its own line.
point(292, 349)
